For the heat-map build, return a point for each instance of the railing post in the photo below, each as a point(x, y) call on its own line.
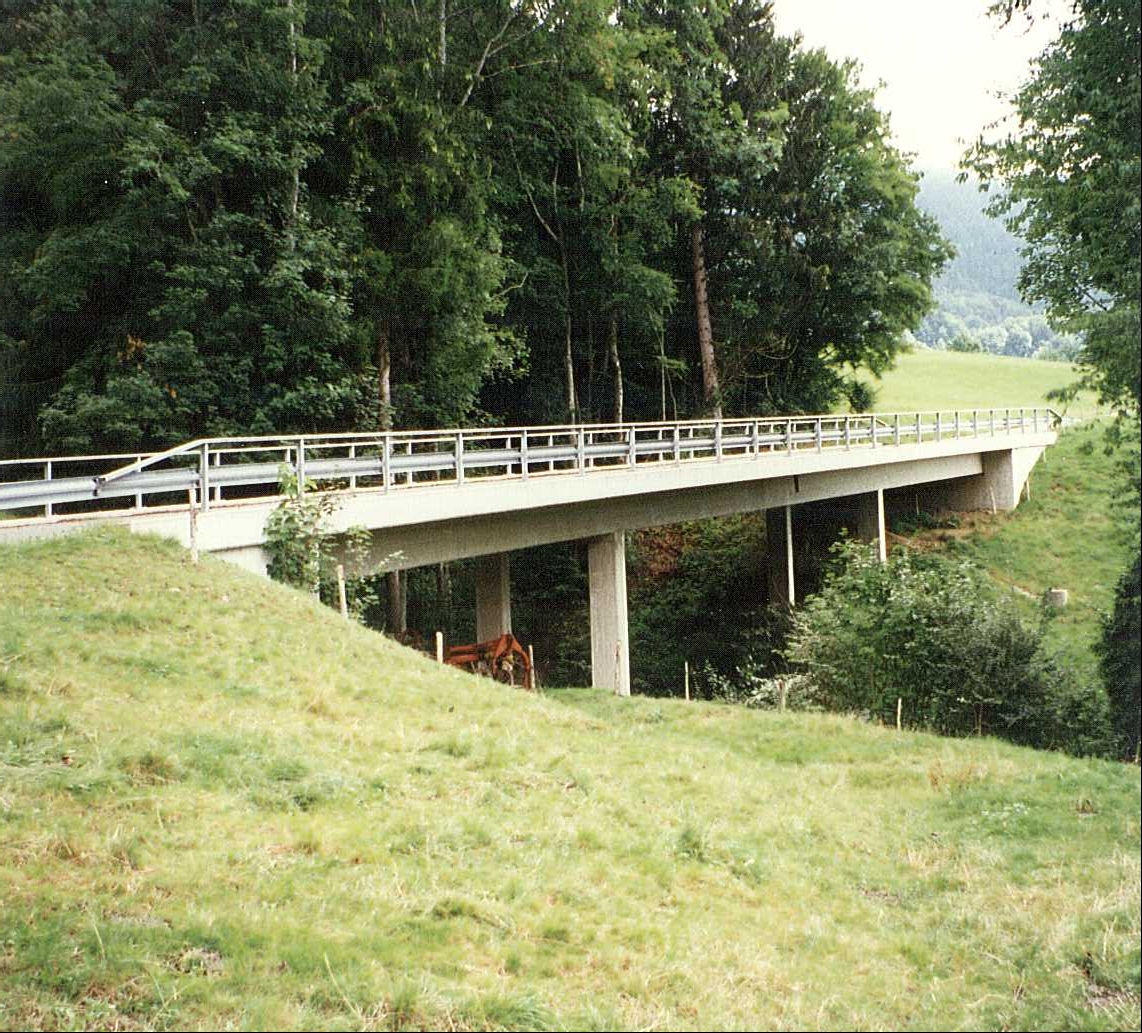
point(1022, 421)
point(919, 428)
point(896, 428)
point(387, 461)
point(203, 477)
point(677, 444)
point(460, 458)
point(939, 426)
point(632, 455)
point(957, 422)
point(581, 449)
point(872, 430)
point(523, 454)
point(139, 494)
point(975, 423)
point(301, 466)
point(789, 436)
point(353, 467)
point(550, 445)
point(848, 433)
point(48, 477)
point(755, 439)
point(1035, 418)
point(991, 420)
point(718, 440)
point(817, 433)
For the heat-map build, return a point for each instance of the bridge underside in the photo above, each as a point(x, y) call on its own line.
point(430, 524)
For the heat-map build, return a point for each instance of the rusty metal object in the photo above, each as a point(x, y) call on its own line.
point(503, 659)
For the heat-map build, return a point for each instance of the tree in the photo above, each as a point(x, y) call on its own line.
point(1069, 175)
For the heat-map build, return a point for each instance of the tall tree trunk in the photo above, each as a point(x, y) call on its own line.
point(568, 351)
point(616, 363)
point(397, 623)
point(710, 391)
point(295, 191)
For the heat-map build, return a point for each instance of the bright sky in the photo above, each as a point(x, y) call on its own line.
point(941, 61)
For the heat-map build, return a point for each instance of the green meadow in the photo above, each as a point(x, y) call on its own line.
point(223, 807)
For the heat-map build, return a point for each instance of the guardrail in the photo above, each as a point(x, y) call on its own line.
point(208, 471)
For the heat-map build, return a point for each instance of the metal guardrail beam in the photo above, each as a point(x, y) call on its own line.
point(200, 472)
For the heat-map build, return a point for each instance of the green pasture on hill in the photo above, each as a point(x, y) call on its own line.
point(221, 806)
point(928, 380)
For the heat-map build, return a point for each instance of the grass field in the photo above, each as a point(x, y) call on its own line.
point(223, 807)
point(1069, 534)
point(930, 380)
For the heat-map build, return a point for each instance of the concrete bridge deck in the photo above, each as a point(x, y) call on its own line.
point(435, 496)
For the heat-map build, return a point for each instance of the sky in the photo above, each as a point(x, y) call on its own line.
point(941, 61)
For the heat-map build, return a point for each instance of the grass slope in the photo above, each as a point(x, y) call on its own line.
point(929, 380)
point(223, 807)
point(1068, 534)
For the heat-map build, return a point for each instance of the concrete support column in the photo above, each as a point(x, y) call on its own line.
point(493, 597)
point(870, 525)
point(610, 644)
point(779, 556)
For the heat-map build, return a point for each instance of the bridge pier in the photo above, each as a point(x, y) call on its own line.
point(820, 524)
point(493, 596)
point(610, 648)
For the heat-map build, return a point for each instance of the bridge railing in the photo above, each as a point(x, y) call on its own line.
point(209, 471)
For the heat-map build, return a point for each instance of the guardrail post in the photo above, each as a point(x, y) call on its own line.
point(789, 436)
point(848, 433)
point(991, 420)
point(896, 428)
point(957, 423)
point(755, 439)
point(203, 477)
point(523, 463)
point(718, 440)
point(939, 426)
point(386, 461)
point(919, 428)
point(581, 449)
point(872, 431)
point(139, 495)
point(48, 477)
point(301, 466)
point(817, 433)
point(353, 467)
point(677, 444)
point(1035, 418)
point(1022, 421)
point(632, 455)
point(460, 458)
point(975, 423)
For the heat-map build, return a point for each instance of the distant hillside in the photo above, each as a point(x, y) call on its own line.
point(979, 304)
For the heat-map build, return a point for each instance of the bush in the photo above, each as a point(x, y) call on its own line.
point(930, 631)
point(1118, 656)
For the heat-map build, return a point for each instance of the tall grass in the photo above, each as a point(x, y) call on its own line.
point(222, 806)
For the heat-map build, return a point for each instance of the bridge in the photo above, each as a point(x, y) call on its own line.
point(435, 496)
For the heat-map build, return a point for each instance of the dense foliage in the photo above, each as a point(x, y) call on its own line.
point(236, 216)
point(929, 631)
point(1119, 663)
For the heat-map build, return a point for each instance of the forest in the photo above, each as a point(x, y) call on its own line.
point(226, 217)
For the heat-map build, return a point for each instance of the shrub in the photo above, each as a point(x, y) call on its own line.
point(931, 632)
point(1118, 661)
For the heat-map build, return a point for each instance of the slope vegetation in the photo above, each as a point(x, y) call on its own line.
point(223, 807)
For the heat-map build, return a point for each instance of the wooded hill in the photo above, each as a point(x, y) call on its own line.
point(235, 216)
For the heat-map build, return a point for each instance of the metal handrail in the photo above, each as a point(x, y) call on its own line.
point(200, 471)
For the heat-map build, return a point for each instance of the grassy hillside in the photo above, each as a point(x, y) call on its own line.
point(1070, 534)
point(948, 380)
point(223, 807)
